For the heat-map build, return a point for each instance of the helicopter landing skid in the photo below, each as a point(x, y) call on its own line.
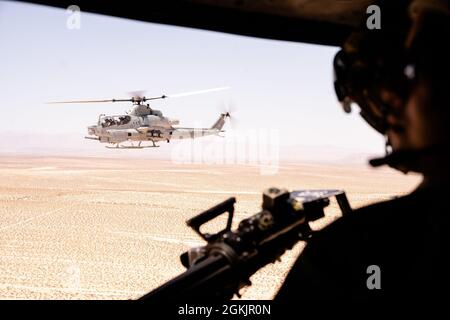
point(118, 146)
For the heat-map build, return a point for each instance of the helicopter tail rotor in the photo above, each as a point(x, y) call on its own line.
point(229, 111)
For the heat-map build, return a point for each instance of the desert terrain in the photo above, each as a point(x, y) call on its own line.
point(98, 228)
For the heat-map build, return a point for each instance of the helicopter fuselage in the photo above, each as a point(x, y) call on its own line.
point(120, 128)
point(145, 124)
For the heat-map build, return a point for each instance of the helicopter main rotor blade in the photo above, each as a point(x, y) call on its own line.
point(88, 101)
point(154, 98)
point(136, 93)
point(184, 94)
point(139, 99)
point(191, 93)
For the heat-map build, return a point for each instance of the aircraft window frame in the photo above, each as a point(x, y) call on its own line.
point(122, 120)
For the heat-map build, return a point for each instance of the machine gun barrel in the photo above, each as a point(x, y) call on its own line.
point(218, 270)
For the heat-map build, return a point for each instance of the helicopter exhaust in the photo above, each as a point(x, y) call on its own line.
point(174, 122)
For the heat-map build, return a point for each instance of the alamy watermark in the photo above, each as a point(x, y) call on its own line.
point(71, 278)
point(73, 22)
point(374, 280)
point(255, 147)
point(374, 20)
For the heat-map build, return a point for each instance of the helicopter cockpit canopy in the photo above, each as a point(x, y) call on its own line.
point(108, 121)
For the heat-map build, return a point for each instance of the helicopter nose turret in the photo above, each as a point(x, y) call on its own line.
point(91, 130)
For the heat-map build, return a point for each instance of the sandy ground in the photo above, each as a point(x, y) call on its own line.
point(93, 228)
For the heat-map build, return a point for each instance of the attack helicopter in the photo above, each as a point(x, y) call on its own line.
point(142, 123)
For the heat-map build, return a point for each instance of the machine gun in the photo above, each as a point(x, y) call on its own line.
point(218, 270)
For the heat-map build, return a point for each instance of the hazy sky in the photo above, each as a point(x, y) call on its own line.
point(275, 84)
